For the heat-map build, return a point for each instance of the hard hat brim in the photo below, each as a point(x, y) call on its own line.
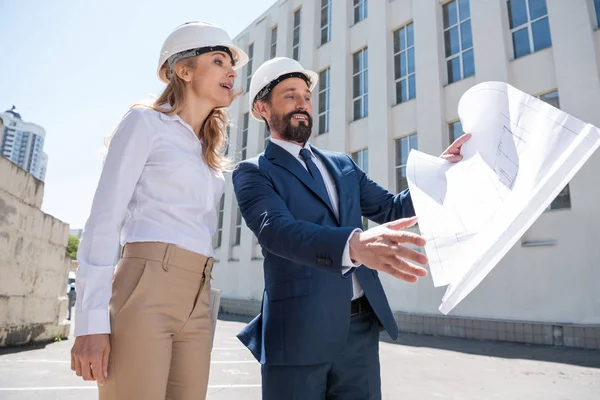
point(242, 59)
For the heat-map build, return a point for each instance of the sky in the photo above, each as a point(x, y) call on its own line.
point(74, 67)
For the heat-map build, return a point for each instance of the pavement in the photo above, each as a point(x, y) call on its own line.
point(413, 367)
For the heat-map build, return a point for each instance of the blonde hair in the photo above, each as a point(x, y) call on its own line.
point(214, 131)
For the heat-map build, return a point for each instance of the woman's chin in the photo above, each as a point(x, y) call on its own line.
point(224, 101)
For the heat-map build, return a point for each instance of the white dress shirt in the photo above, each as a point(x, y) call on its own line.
point(294, 150)
point(156, 183)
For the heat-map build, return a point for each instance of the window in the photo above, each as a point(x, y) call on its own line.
point(404, 64)
point(245, 137)
point(456, 130)
point(273, 41)
point(296, 36)
point(551, 98)
point(597, 6)
point(218, 238)
point(228, 129)
point(360, 84)
point(266, 135)
point(403, 146)
point(249, 66)
point(563, 200)
point(324, 84)
point(360, 10)
point(238, 228)
point(325, 21)
point(458, 40)
point(361, 158)
point(529, 26)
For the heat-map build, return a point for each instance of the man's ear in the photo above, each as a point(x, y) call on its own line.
point(263, 109)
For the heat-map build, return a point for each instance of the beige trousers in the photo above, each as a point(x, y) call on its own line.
point(160, 321)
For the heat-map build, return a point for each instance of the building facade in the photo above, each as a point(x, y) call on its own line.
point(391, 75)
point(23, 143)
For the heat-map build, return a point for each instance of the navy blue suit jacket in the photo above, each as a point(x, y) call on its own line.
point(305, 312)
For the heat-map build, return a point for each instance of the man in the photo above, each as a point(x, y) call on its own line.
point(318, 331)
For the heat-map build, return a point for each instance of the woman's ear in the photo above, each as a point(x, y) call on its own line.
point(183, 72)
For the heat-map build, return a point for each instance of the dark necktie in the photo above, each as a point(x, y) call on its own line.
point(316, 174)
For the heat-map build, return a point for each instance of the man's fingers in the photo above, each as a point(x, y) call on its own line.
point(402, 223)
point(72, 362)
point(396, 273)
point(453, 158)
point(405, 266)
point(410, 254)
point(404, 237)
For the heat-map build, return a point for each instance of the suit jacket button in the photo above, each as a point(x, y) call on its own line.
point(327, 262)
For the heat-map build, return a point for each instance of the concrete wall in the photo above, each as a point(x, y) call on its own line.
point(554, 285)
point(33, 262)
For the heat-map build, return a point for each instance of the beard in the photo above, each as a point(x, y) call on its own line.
point(282, 124)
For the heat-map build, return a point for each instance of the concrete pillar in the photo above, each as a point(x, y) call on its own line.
point(431, 75)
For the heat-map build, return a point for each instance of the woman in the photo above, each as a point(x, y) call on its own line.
point(145, 333)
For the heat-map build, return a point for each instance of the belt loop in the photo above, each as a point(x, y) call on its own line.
point(165, 263)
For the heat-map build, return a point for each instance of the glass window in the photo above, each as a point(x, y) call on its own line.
point(273, 42)
point(218, 238)
point(361, 158)
point(238, 228)
point(403, 146)
point(325, 21)
point(458, 40)
point(456, 130)
point(296, 35)
point(529, 26)
point(324, 90)
point(360, 10)
point(404, 63)
point(360, 87)
point(563, 200)
point(249, 66)
point(244, 147)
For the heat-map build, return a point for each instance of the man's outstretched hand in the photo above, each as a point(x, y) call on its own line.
point(381, 248)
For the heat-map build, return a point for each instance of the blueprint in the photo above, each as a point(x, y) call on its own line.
point(522, 153)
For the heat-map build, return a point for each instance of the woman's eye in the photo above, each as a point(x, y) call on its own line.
point(219, 62)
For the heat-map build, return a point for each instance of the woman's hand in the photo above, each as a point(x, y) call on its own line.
point(89, 357)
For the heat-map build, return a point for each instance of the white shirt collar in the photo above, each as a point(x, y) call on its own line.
point(291, 148)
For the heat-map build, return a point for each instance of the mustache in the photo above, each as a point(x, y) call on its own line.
point(289, 115)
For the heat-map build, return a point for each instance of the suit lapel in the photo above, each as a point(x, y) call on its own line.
point(281, 157)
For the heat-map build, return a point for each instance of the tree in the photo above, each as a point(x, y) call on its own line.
point(72, 246)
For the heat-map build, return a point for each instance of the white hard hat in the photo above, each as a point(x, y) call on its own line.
point(270, 73)
point(198, 35)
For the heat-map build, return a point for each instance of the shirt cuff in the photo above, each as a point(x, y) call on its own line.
point(347, 262)
point(93, 289)
point(92, 322)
